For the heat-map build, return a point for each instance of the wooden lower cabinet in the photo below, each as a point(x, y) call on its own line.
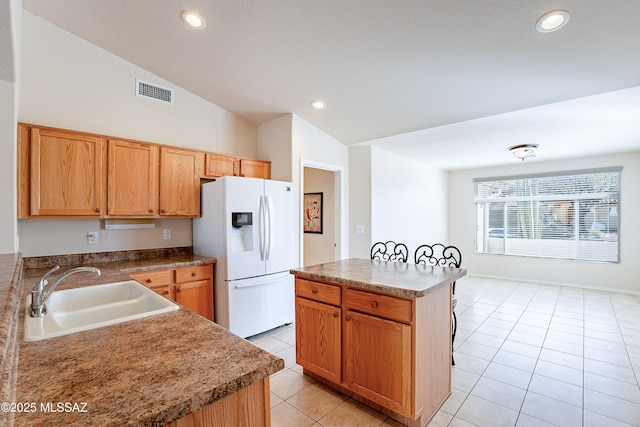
point(380, 350)
point(191, 287)
point(378, 360)
point(248, 407)
point(197, 296)
point(318, 327)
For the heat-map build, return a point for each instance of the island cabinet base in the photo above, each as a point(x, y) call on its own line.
point(421, 421)
point(391, 352)
point(247, 407)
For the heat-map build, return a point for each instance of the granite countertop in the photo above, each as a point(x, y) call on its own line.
point(147, 372)
point(406, 280)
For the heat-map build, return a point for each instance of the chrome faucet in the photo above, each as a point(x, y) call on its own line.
point(39, 296)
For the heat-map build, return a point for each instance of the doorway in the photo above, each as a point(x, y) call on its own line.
point(324, 183)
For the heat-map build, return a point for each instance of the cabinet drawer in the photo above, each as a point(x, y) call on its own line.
point(153, 279)
point(190, 274)
point(380, 305)
point(322, 292)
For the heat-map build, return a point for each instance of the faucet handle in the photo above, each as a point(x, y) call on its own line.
point(39, 285)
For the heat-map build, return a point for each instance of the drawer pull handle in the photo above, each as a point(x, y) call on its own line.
point(314, 291)
point(374, 304)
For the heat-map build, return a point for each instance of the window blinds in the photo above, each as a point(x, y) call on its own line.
point(573, 215)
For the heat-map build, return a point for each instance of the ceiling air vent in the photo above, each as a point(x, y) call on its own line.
point(153, 91)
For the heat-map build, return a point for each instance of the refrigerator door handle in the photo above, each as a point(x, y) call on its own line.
point(261, 225)
point(269, 228)
point(253, 285)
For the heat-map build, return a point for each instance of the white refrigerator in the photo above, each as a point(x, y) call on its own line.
point(247, 225)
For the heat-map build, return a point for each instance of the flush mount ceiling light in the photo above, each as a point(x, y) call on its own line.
point(318, 105)
point(552, 21)
point(193, 19)
point(523, 151)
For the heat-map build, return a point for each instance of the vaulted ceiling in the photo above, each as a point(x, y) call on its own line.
point(453, 83)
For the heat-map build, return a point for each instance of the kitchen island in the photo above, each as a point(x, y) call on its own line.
point(379, 332)
point(154, 371)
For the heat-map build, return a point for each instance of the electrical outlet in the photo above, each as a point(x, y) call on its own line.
point(167, 233)
point(93, 237)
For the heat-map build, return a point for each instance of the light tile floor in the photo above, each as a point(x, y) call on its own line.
point(526, 355)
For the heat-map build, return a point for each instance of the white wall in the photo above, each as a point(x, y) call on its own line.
point(10, 12)
point(69, 83)
point(620, 276)
point(319, 248)
point(274, 144)
point(311, 145)
point(408, 201)
point(290, 139)
point(360, 201)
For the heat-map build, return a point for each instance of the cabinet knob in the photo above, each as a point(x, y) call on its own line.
point(165, 292)
point(151, 211)
point(194, 274)
point(374, 304)
point(97, 210)
point(162, 211)
point(148, 280)
point(314, 291)
point(178, 289)
point(335, 314)
point(347, 318)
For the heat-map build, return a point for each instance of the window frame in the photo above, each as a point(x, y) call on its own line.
point(572, 199)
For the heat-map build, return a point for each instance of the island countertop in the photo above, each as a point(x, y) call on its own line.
point(401, 279)
point(146, 372)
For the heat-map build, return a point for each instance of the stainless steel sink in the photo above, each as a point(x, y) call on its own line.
point(82, 309)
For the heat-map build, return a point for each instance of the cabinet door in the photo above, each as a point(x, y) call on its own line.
point(217, 165)
point(159, 281)
point(318, 338)
point(132, 188)
point(66, 173)
point(378, 362)
point(180, 182)
point(255, 169)
point(196, 296)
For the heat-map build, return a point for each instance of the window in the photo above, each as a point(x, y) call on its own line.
point(571, 216)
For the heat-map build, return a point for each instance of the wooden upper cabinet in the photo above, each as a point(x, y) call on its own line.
point(67, 177)
point(132, 179)
point(180, 172)
point(255, 168)
point(64, 173)
point(217, 165)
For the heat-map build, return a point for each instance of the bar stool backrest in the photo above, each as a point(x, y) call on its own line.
point(390, 251)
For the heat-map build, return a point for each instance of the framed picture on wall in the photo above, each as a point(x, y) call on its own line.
point(313, 213)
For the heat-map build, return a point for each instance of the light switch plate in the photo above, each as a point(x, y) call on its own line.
point(166, 233)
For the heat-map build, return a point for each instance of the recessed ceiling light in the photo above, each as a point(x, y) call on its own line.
point(552, 21)
point(193, 19)
point(318, 105)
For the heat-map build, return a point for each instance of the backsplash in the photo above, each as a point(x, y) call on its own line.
point(98, 257)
